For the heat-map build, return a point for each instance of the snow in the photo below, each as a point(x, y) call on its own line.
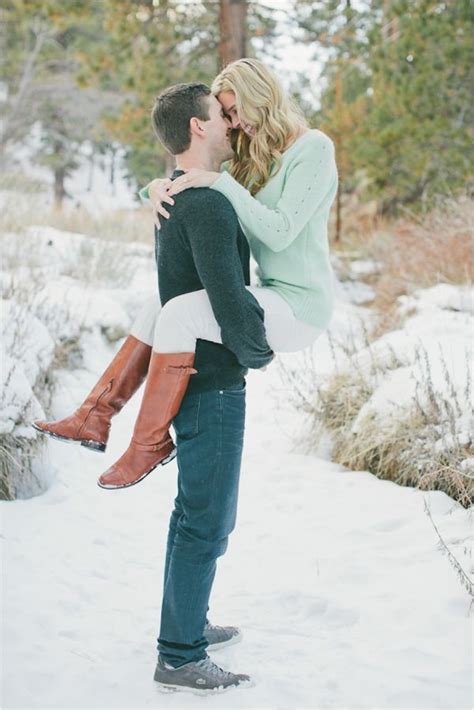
point(335, 577)
point(430, 353)
point(442, 296)
point(356, 292)
point(365, 267)
point(26, 348)
point(57, 288)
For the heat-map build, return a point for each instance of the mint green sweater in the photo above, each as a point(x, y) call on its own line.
point(286, 225)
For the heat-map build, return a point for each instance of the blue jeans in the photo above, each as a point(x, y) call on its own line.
point(209, 437)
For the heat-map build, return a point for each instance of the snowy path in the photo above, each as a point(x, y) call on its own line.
point(334, 576)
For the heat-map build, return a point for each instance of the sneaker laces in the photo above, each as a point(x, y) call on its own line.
point(215, 671)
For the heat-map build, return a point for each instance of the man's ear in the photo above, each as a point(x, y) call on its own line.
point(196, 127)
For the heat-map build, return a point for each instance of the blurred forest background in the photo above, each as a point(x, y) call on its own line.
point(394, 91)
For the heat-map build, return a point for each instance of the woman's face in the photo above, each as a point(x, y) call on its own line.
point(227, 101)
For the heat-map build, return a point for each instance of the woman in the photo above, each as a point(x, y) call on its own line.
point(281, 182)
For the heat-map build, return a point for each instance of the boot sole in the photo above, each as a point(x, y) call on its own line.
point(173, 688)
point(166, 460)
point(87, 443)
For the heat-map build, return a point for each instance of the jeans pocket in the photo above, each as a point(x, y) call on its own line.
point(186, 422)
point(234, 389)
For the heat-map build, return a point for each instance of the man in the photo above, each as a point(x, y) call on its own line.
point(202, 247)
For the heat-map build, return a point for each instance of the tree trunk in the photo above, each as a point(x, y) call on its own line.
point(232, 28)
point(113, 156)
point(59, 191)
point(90, 179)
point(338, 142)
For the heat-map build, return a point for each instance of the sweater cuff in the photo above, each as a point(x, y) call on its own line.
point(144, 194)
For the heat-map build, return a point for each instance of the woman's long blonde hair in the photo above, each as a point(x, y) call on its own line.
point(261, 102)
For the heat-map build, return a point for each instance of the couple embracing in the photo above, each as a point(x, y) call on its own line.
point(194, 344)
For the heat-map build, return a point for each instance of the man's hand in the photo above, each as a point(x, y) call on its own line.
point(159, 194)
point(194, 177)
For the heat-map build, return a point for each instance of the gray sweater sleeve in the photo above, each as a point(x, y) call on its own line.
point(211, 227)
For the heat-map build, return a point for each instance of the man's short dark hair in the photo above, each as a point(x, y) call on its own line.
point(173, 110)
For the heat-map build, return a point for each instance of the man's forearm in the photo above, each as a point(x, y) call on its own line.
point(243, 331)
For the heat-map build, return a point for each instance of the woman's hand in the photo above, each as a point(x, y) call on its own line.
point(159, 195)
point(195, 177)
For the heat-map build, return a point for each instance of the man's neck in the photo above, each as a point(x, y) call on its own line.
point(192, 159)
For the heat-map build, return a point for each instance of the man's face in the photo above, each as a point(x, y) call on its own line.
point(218, 129)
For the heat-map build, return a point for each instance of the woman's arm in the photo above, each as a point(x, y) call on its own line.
point(309, 181)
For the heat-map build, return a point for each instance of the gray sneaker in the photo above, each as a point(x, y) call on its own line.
point(221, 636)
point(199, 677)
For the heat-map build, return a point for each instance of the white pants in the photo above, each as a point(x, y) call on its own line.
point(182, 320)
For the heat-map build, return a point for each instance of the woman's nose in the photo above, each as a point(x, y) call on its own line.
point(235, 122)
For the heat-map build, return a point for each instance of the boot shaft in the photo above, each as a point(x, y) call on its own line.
point(166, 385)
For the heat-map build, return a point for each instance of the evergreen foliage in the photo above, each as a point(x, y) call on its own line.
point(41, 41)
point(397, 95)
point(396, 86)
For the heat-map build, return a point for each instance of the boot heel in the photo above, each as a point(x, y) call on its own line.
point(169, 458)
point(95, 446)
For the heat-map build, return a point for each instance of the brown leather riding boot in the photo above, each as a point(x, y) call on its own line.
point(151, 444)
point(90, 424)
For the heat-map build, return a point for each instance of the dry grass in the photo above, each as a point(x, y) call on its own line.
point(118, 225)
point(433, 249)
point(27, 200)
point(416, 252)
point(100, 263)
point(406, 454)
point(422, 448)
point(17, 459)
point(462, 575)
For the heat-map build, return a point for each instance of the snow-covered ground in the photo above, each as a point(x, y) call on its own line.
point(335, 577)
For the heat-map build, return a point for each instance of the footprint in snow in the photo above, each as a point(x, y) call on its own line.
point(389, 525)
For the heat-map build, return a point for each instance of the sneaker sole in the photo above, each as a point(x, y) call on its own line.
point(166, 460)
point(173, 688)
point(87, 443)
point(216, 646)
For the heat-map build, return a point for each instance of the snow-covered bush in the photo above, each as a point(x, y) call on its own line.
point(27, 353)
point(401, 406)
point(56, 288)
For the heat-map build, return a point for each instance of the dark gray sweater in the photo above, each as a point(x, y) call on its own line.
point(202, 246)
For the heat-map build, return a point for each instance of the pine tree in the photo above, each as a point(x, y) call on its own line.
point(398, 94)
point(338, 32)
point(418, 136)
point(41, 40)
point(147, 46)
